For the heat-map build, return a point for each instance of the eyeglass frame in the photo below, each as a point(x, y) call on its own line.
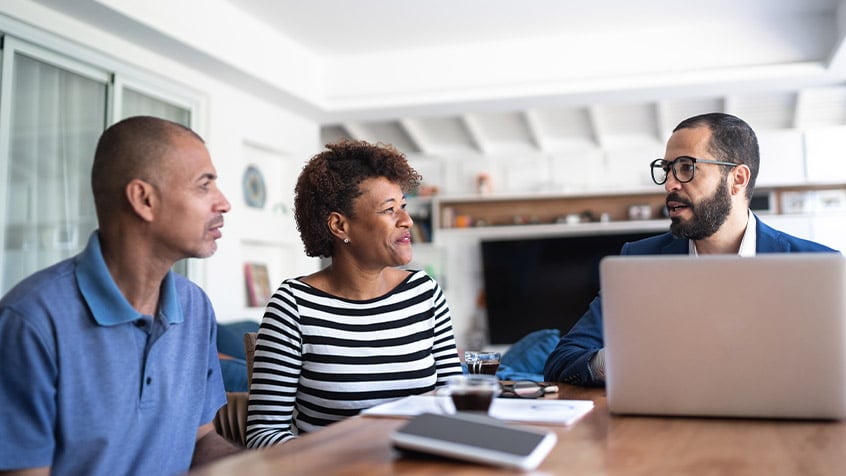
point(671, 164)
point(538, 389)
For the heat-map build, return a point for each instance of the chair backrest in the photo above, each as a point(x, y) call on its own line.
point(250, 350)
point(231, 420)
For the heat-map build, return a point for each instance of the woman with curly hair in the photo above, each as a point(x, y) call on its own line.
point(360, 331)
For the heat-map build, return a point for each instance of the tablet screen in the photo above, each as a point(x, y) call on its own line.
point(475, 438)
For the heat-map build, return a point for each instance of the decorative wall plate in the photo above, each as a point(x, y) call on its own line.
point(255, 192)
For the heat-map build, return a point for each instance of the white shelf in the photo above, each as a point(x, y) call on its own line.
point(501, 197)
point(557, 229)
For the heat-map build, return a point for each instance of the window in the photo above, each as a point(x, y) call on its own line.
point(53, 109)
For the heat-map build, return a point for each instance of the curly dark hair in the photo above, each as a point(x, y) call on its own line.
point(330, 183)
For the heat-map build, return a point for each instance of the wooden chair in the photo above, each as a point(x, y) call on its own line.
point(231, 420)
point(250, 350)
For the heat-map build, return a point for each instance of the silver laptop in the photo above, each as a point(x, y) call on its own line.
point(725, 336)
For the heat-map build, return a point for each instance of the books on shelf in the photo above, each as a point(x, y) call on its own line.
point(258, 284)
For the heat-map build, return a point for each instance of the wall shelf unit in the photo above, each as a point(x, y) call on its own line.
point(536, 210)
point(601, 212)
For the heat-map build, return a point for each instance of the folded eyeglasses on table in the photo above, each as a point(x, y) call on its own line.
point(526, 389)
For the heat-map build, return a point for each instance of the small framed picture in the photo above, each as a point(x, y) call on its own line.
point(258, 284)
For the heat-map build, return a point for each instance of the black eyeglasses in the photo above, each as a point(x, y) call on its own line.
point(684, 168)
point(526, 389)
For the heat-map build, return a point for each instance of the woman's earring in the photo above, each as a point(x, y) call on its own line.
point(346, 240)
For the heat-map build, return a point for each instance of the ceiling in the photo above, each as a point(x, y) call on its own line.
point(338, 27)
point(758, 33)
point(499, 77)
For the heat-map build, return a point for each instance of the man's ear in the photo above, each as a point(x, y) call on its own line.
point(141, 198)
point(338, 225)
point(740, 178)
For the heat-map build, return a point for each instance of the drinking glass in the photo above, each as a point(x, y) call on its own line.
point(481, 362)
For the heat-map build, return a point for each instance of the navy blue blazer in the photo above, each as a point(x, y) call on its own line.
point(570, 359)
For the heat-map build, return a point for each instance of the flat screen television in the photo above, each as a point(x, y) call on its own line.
point(543, 283)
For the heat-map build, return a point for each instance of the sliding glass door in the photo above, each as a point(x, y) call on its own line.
point(52, 110)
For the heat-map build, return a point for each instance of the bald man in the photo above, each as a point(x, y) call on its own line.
point(109, 361)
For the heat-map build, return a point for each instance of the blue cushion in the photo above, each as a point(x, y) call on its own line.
point(230, 337)
point(230, 341)
point(234, 372)
point(525, 359)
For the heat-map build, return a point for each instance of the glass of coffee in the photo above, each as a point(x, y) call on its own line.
point(472, 393)
point(481, 362)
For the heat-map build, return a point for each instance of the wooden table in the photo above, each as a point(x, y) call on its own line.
point(599, 443)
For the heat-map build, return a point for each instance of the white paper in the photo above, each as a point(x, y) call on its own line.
point(561, 412)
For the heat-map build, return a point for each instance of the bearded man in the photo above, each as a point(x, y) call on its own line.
point(708, 171)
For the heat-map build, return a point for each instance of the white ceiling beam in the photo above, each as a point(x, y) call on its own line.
point(347, 132)
point(416, 135)
point(594, 115)
point(533, 125)
point(837, 58)
point(475, 132)
point(356, 130)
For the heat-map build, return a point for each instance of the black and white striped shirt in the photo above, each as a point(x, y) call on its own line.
point(320, 358)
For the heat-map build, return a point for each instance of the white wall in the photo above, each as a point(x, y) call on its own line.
point(237, 118)
point(229, 118)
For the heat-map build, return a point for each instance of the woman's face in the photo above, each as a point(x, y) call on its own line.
point(380, 231)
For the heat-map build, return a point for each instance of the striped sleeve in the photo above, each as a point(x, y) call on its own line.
point(444, 349)
point(276, 371)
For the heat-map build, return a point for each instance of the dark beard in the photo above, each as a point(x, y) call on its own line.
point(708, 216)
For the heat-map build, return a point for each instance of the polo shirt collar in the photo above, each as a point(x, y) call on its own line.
point(108, 305)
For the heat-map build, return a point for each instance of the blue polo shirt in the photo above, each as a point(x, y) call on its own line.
point(90, 386)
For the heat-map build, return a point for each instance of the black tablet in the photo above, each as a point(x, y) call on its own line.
point(477, 438)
